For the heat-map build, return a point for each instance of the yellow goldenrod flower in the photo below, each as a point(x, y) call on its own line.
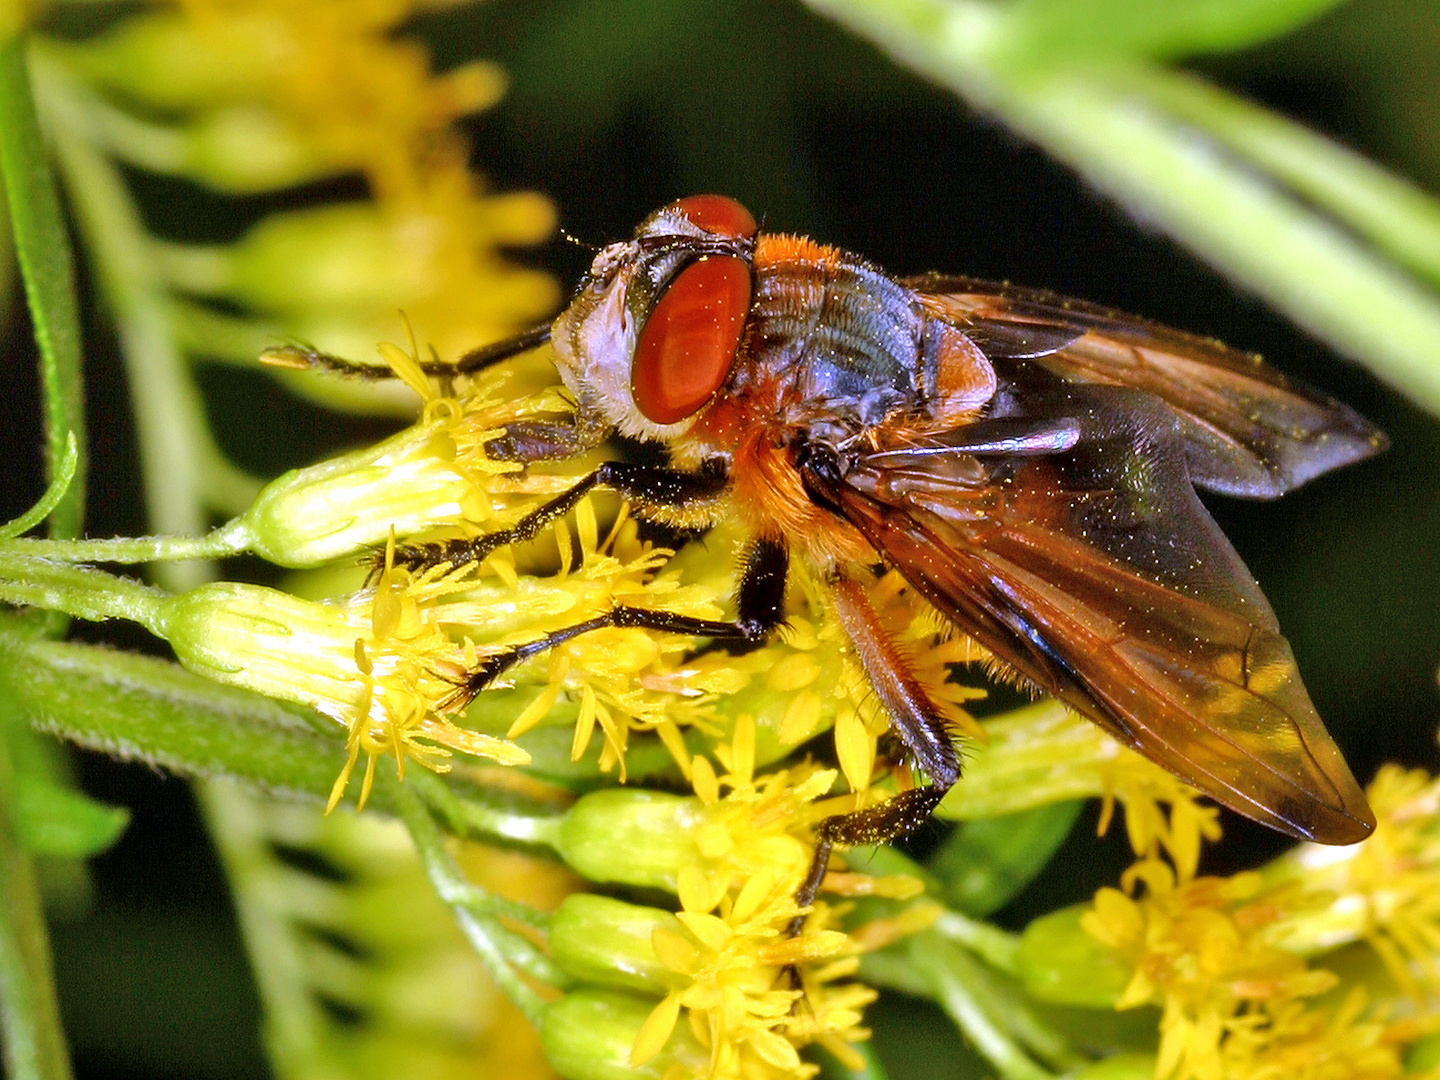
point(1197, 950)
point(258, 95)
point(434, 475)
point(1234, 1005)
point(731, 960)
point(1384, 892)
point(377, 680)
point(741, 978)
point(738, 910)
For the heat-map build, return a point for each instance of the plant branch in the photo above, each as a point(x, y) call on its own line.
point(501, 951)
point(34, 1044)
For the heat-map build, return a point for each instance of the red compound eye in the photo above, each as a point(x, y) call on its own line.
point(688, 344)
point(719, 215)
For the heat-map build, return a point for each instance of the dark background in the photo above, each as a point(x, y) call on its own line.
point(618, 106)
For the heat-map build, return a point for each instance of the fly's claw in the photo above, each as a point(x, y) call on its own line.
point(469, 684)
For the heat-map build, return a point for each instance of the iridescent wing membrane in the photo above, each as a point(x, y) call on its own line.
point(1072, 545)
point(1248, 431)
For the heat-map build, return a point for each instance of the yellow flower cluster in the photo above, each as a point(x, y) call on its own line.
point(743, 969)
point(261, 95)
point(1384, 892)
point(1226, 958)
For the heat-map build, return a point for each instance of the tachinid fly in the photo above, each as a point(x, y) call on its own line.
point(1028, 463)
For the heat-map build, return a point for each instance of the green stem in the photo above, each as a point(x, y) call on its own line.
point(229, 539)
point(42, 247)
point(52, 498)
point(1395, 215)
point(487, 821)
point(466, 817)
point(999, 949)
point(153, 147)
point(34, 1044)
point(499, 950)
point(961, 991)
point(296, 1035)
point(1307, 267)
point(169, 413)
point(223, 337)
point(87, 594)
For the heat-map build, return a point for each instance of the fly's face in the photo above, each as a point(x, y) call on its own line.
point(653, 332)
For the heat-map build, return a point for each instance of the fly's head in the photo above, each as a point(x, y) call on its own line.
point(652, 333)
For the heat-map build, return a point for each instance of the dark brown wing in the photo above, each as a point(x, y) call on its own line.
point(1098, 575)
point(1248, 430)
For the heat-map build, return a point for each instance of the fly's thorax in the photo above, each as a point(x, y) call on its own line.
point(835, 343)
point(831, 339)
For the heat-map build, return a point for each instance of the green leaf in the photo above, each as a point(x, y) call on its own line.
point(53, 820)
point(1062, 30)
point(42, 248)
point(1059, 962)
point(984, 863)
point(50, 816)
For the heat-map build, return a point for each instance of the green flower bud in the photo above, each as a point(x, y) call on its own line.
point(248, 149)
point(307, 652)
point(631, 837)
point(600, 940)
point(1059, 962)
point(335, 508)
point(268, 641)
point(587, 1035)
point(160, 59)
point(353, 258)
point(343, 256)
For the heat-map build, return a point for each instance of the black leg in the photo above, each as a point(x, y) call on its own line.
point(764, 578)
point(760, 602)
point(916, 721)
point(302, 356)
point(646, 485)
point(489, 355)
point(893, 818)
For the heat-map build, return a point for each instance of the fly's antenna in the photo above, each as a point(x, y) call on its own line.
point(575, 241)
